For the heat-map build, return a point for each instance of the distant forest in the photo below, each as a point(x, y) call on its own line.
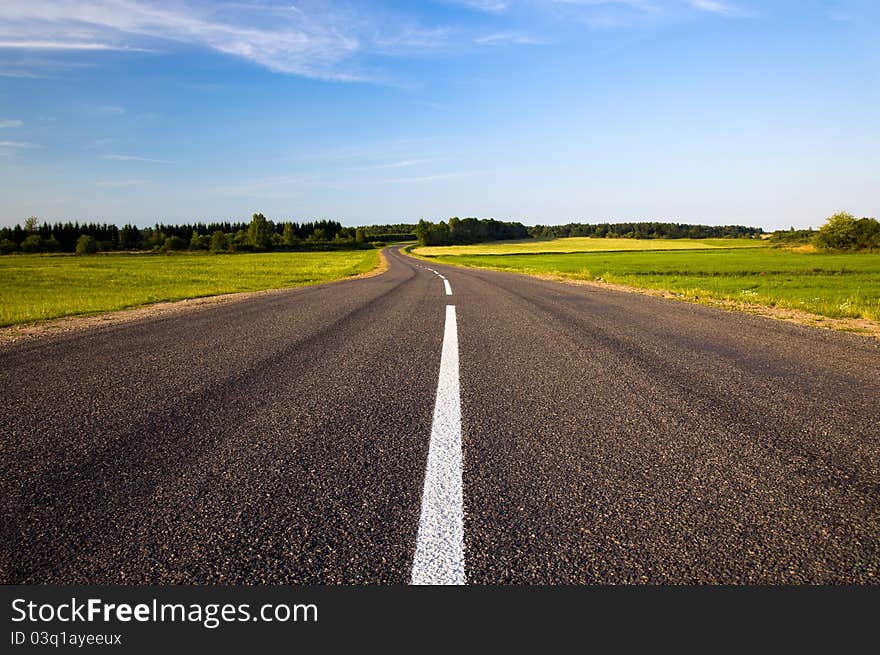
point(468, 230)
point(473, 230)
point(263, 234)
point(260, 234)
point(646, 230)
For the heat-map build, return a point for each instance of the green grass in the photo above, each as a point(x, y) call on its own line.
point(833, 285)
point(585, 244)
point(35, 287)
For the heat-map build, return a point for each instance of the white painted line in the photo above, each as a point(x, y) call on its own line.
point(439, 557)
point(448, 288)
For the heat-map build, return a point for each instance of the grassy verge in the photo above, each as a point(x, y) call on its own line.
point(37, 287)
point(832, 285)
point(585, 244)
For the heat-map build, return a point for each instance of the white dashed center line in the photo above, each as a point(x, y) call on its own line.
point(445, 281)
point(439, 556)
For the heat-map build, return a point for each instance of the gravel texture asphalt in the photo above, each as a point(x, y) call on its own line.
point(607, 438)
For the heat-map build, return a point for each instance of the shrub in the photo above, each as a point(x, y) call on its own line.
point(839, 232)
point(86, 245)
point(240, 238)
point(199, 241)
point(175, 243)
point(868, 234)
point(152, 239)
point(7, 246)
point(792, 236)
point(219, 241)
point(51, 244)
point(260, 232)
point(319, 234)
point(843, 232)
point(289, 236)
point(33, 243)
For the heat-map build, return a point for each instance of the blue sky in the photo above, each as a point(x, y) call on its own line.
point(544, 111)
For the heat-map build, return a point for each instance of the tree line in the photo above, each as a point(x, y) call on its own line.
point(472, 230)
point(468, 230)
point(258, 235)
point(644, 230)
point(391, 232)
point(841, 232)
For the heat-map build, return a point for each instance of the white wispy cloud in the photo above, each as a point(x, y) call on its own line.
point(23, 74)
point(109, 110)
point(659, 6)
point(322, 39)
point(430, 104)
point(21, 145)
point(65, 45)
point(434, 177)
point(119, 184)
point(315, 38)
point(644, 6)
point(490, 6)
point(10, 122)
point(516, 38)
point(404, 163)
point(8, 148)
point(620, 14)
point(136, 158)
point(713, 6)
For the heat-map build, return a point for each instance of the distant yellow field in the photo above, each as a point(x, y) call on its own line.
point(585, 244)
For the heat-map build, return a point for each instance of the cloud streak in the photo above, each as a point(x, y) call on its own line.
point(137, 158)
point(118, 184)
point(314, 39)
point(596, 9)
point(508, 38)
point(434, 177)
point(65, 45)
point(26, 75)
point(488, 6)
point(405, 163)
point(7, 148)
point(20, 145)
point(713, 6)
point(10, 122)
point(320, 39)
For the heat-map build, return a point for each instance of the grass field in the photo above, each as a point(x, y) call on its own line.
point(586, 244)
point(35, 287)
point(833, 285)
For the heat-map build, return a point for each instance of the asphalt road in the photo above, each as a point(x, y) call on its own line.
point(601, 438)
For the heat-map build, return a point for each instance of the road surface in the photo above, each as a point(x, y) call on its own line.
point(576, 435)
